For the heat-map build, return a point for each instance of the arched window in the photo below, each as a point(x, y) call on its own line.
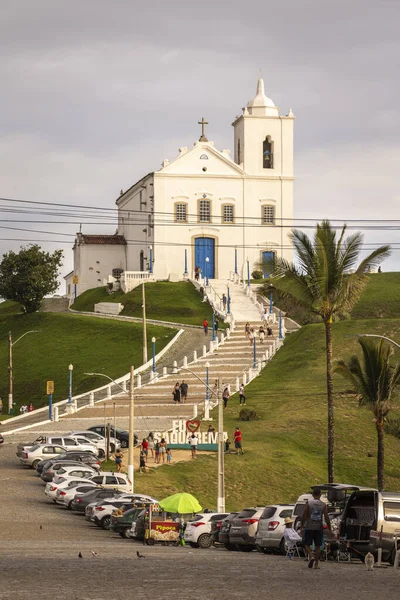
point(268, 153)
point(141, 268)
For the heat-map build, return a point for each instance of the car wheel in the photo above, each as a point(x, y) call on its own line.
point(105, 522)
point(35, 464)
point(124, 444)
point(125, 533)
point(260, 549)
point(204, 541)
point(193, 545)
point(230, 547)
point(70, 505)
point(102, 453)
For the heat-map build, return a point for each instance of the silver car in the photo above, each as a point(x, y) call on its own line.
point(33, 456)
point(66, 496)
point(271, 526)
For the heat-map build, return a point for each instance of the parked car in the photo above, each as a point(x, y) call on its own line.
point(88, 458)
point(65, 496)
point(122, 523)
point(98, 440)
point(51, 487)
point(49, 472)
point(79, 504)
point(66, 442)
point(215, 529)
point(223, 535)
point(243, 528)
point(32, 456)
point(112, 480)
point(105, 509)
point(271, 527)
point(198, 529)
point(68, 472)
point(120, 434)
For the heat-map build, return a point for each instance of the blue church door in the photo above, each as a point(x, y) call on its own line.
point(267, 263)
point(205, 248)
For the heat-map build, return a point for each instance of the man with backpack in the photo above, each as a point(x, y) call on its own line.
point(315, 512)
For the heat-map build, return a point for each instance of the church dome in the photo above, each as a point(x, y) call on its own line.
point(262, 105)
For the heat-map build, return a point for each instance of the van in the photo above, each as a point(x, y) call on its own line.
point(371, 519)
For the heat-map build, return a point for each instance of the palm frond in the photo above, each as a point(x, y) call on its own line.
point(374, 259)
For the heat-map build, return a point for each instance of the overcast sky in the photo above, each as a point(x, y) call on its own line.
point(96, 93)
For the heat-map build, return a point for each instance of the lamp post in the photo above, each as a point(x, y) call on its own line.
point(70, 369)
point(131, 473)
point(153, 351)
point(228, 312)
point(207, 382)
point(207, 261)
point(213, 337)
point(151, 260)
point(270, 303)
point(236, 262)
point(186, 270)
point(280, 326)
point(144, 325)
point(11, 344)
point(254, 352)
point(248, 272)
point(382, 337)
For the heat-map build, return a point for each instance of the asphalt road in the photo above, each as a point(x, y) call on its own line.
point(43, 562)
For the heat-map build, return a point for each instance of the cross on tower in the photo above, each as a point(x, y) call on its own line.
point(203, 137)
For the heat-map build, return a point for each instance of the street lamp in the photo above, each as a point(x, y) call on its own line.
point(186, 268)
point(207, 261)
point(153, 350)
point(144, 325)
point(248, 272)
point(151, 260)
point(214, 337)
point(11, 344)
point(70, 368)
point(378, 336)
point(131, 473)
point(254, 352)
point(236, 261)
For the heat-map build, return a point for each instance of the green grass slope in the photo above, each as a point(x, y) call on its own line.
point(285, 450)
point(100, 345)
point(165, 301)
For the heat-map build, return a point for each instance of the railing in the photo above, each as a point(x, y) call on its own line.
point(131, 279)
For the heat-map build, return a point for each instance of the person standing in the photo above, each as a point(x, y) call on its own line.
point(142, 463)
point(162, 446)
point(242, 397)
point(261, 334)
point(193, 441)
point(224, 301)
point(156, 452)
point(176, 393)
point(169, 456)
point(31, 407)
point(184, 391)
point(216, 325)
point(247, 330)
point(145, 446)
point(150, 439)
point(196, 273)
point(251, 336)
point(205, 326)
point(118, 460)
point(264, 316)
point(237, 438)
point(225, 396)
point(312, 522)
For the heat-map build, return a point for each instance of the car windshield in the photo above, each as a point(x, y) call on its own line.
point(246, 513)
point(35, 447)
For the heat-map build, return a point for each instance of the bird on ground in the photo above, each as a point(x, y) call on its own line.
point(93, 553)
point(40, 527)
point(80, 555)
point(139, 555)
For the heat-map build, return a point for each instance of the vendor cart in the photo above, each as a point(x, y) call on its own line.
point(161, 527)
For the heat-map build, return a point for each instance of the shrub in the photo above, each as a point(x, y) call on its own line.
point(248, 414)
point(257, 274)
point(392, 426)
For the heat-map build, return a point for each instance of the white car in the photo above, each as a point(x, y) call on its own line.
point(33, 456)
point(65, 496)
point(51, 487)
point(198, 529)
point(79, 443)
point(68, 472)
point(98, 440)
point(110, 480)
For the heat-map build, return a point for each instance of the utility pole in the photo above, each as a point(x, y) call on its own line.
point(131, 473)
point(221, 465)
point(10, 373)
point(144, 325)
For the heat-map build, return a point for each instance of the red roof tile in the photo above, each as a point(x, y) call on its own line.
point(114, 240)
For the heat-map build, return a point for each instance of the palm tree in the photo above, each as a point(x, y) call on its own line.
point(326, 281)
point(374, 381)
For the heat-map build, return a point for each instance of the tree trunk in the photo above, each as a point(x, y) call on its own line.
point(381, 455)
point(331, 407)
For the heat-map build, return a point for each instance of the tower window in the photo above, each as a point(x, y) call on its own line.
point(228, 213)
point(204, 211)
point(239, 153)
point(268, 154)
point(181, 212)
point(268, 215)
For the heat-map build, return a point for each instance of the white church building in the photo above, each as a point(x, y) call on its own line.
point(217, 210)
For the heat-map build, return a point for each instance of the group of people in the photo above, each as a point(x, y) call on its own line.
point(25, 408)
point(237, 440)
point(158, 450)
point(180, 392)
point(206, 325)
point(250, 333)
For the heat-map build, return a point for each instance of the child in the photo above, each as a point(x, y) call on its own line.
point(227, 446)
point(169, 456)
point(142, 461)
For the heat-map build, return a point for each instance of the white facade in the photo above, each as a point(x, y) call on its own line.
point(207, 203)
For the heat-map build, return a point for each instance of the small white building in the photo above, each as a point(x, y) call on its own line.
point(205, 204)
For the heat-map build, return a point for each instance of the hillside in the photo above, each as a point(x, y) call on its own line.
point(285, 450)
point(100, 345)
point(165, 301)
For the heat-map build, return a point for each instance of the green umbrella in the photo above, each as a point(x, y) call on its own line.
point(181, 503)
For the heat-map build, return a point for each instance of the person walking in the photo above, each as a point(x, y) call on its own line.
point(196, 273)
point(193, 441)
point(269, 332)
point(242, 397)
point(150, 439)
point(237, 438)
point(247, 330)
point(251, 336)
point(261, 334)
point(142, 463)
point(176, 393)
point(264, 316)
point(157, 452)
point(205, 326)
point(216, 325)
point(225, 396)
point(315, 512)
point(184, 391)
point(224, 301)
point(163, 450)
point(118, 460)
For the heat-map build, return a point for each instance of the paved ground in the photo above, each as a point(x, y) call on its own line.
point(43, 562)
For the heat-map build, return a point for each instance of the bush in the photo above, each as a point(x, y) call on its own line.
point(257, 274)
point(248, 414)
point(392, 426)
